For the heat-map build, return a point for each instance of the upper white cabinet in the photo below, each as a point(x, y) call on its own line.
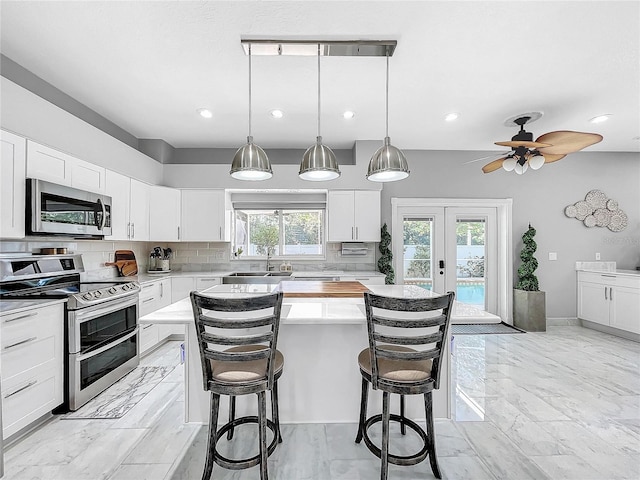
point(610, 299)
point(164, 214)
point(129, 207)
point(46, 163)
point(12, 185)
point(354, 215)
point(205, 216)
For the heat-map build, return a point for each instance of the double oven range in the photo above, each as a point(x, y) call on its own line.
point(101, 319)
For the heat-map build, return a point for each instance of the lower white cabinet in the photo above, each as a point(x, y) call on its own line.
point(181, 287)
point(154, 295)
point(203, 283)
point(32, 365)
point(610, 299)
point(364, 279)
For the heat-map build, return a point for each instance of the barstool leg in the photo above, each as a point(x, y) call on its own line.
point(363, 409)
point(262, 424)
point(384, 450)
point(212, 436)
point(275, 410)
point(403, 426)
point(232, 415)
point(431, 434)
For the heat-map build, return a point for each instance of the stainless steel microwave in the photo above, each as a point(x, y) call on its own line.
point(60, 210)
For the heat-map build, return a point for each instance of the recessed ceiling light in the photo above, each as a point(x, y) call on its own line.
point(205, 113)
point(450, 117)
point(277, 113)
point(348, 114)
point(600, 118)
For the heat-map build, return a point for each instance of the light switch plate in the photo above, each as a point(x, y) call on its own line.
point(553, 256)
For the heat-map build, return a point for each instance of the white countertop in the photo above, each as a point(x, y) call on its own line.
point(313, 311)
point(16, 306)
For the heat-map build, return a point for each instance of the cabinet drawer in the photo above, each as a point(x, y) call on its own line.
point(26, 358)
point(29, 399)
point(40, 322)
point(208, 282)
point(148, 337)
point(147, 305)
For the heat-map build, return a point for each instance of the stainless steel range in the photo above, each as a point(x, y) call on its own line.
point(101, 324)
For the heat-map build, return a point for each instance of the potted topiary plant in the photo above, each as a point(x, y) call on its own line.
point(384, 262)
point(529, 310)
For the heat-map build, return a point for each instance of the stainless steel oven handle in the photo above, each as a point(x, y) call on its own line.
point(107, 347)
point(86, 314)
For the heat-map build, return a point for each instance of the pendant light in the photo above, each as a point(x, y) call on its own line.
point(319, 162)
point(250, 161)
point(388, 164)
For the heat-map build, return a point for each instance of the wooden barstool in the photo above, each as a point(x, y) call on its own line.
point(244, 363)
point(392, 365)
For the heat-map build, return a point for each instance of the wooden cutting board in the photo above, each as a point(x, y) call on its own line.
point(125, 262)
point(311, 289)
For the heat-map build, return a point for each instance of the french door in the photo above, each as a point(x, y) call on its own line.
point(452, 247)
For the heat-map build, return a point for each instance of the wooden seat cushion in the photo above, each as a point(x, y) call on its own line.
point(239, 372)
point(397, 370)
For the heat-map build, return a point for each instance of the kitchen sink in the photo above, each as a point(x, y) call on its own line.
point(254, 277)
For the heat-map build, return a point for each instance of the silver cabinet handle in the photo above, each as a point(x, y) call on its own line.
point(147, 326)
point(22, 342)
point(178, 233)
point(148, 300)
point(605, 293)
point(148, 286)
point(352, 237)
point(220, 234)
point(14, 319)
point(610, 293)
point(161, 290)
point(357, 233)
point(129, 230)
point(30, 384)
point(133, 230)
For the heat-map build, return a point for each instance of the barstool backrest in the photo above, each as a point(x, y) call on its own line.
point(222, 323)
point(398, 316)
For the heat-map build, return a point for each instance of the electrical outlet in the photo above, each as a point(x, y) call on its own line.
point(597, 256)
point(553, 256)
point(111, 257)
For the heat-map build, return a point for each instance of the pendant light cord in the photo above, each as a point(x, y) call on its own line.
point(386, 106)
point(249, 89)
point(318, 89)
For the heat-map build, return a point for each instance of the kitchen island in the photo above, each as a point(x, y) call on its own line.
point(320, 339)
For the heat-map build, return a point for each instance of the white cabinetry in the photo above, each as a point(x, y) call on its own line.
point(203, 283)
point(155, 294)
point(32, 365)
point(12, 185)
point(164, 214)
point(181, 287)
point(363, 279)
point(610, 299)
point(354, 215)
point(205, 216)
point(129, 207)
point(46, 163)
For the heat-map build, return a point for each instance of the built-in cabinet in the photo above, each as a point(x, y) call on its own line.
point(353, 215)
point(46, 163)
point(610, 299)
point(12, 184)
point(154, 295)
point(32, 365)
point(164, 214)
point(205, 216)
point(129, 207)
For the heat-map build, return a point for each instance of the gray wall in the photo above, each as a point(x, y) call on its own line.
point(539, 197)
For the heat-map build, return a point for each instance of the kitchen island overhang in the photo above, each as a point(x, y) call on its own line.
point(320, 338)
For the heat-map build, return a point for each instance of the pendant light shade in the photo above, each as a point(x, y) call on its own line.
point(250, 161)
point(388, 164)
point(319, 162)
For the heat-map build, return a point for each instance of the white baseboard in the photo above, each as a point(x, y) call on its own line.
point(563, 321)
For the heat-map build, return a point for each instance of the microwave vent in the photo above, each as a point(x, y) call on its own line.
point(350, 249)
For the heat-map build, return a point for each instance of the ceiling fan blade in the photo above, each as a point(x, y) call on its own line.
point(550, 157)
point(566, 141)
point(500, 154)
point(493, 166)
point(523, 143)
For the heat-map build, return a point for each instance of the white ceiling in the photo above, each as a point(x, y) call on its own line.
point(147, 66)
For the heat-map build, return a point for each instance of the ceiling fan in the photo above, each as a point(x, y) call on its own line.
point(547, 148)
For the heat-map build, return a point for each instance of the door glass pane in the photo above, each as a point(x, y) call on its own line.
point(94, 368)
point(418, 252)
point(470, 261)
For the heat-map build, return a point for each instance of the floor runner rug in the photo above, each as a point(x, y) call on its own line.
point(123, 395)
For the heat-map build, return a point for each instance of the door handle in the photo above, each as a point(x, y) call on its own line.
point(441, 266)
point(605, 293)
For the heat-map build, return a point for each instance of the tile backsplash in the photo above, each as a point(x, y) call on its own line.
point(186, 256)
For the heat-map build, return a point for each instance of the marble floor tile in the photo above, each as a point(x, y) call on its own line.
point(464, 468)
point(141, 472)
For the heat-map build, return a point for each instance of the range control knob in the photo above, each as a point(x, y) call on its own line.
point(113, 290)
point(97, 293)
point(87, 296)
point(126, 286)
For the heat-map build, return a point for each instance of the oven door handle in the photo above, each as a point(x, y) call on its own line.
point(85, 314)
point(111, 344)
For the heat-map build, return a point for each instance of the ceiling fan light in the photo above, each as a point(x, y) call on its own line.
point(388, 164)
point(251, 163)
point(319, 163)
point(520, 169)
point(536, 162)
point(509, 164)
